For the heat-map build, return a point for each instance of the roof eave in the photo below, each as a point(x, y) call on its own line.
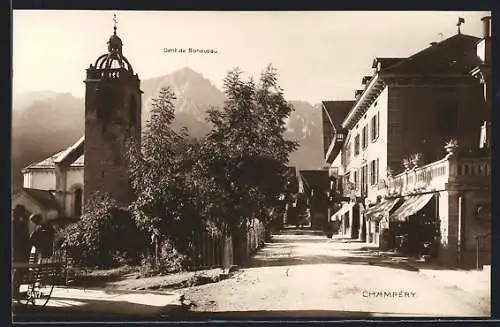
point(363, 101)
point(69, 150)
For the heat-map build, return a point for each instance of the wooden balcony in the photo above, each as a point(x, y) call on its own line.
point(336, 145)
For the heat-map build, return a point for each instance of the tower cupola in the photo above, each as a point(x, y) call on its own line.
point(114, 58)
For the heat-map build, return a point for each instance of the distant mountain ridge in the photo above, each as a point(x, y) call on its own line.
point(46, 122)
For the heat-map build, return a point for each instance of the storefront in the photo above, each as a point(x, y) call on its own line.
point(415, 225)
point(375, 219)
point(344, 216)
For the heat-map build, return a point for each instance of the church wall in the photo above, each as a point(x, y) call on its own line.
point(74, 180)
point(74, 177)
point(43, 179)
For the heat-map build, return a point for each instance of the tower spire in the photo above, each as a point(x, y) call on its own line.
point(115, 20)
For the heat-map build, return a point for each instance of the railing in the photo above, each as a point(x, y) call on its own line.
point(432, 176)
point(473, 167)
point(113, 74)
point(436, 175)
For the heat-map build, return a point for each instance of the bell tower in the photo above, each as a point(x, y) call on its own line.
point(112, 118)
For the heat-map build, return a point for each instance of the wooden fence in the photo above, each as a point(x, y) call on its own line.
point(217, 250)
point(210, 250)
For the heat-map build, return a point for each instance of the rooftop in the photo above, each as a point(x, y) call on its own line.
point(43, 197)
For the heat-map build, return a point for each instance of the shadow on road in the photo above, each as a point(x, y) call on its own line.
point(305, 247)
point(285, 249)
point(71, 309)
point(326, 259)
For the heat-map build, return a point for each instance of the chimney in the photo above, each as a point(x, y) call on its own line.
point(357, 94)
point(483, 48)
point(486, 27)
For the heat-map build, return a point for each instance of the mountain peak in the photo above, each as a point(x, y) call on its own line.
point(187, 73)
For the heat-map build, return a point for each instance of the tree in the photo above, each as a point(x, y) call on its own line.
point(162, 176)
point(246, 152)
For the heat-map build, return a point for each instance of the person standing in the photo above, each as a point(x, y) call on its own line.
point(42, 237)
point(20, 246)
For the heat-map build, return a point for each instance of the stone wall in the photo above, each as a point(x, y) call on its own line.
point(106, 134)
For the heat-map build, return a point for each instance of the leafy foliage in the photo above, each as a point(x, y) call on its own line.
point(169, 261)
point(161, 171)
point(103, 231)
point(246, 152)
point(221, 182)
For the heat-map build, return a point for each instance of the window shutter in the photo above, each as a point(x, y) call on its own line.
point(378, 124)
point(370, 173)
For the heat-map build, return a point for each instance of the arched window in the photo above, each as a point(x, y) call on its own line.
point(78, 199)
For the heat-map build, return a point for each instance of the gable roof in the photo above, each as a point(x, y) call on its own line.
point(456, 54)
point(384, 63)
point(315, 178)
point(73, 154)
point(43, 197)
point(337, 110)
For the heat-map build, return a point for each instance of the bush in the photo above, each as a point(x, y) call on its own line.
point(169, 261)
point(105, 235)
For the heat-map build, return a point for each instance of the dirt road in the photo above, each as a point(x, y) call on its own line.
point(305, 274)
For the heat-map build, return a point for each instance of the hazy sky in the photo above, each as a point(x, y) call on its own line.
point(319, 55)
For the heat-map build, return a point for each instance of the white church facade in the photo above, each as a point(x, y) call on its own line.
point(53, 187)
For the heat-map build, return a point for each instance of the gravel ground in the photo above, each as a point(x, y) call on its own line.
point(311, 275)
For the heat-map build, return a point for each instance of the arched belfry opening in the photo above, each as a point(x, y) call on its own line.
point(112, 116)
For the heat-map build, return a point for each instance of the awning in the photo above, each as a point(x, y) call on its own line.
point(411, 206)
point(377, 212)
point(345, 208)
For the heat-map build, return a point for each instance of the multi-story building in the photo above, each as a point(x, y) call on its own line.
point(395, 133)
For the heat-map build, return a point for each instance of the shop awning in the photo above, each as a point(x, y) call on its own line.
point(377, 212)
point(411, 206)
point(345, 208)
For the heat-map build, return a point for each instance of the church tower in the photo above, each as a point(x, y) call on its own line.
point(112, 118)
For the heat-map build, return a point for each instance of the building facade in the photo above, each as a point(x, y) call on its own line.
point(57, 186)
point(408, 110)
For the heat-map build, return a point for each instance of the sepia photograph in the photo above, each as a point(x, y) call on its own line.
point(173, 165)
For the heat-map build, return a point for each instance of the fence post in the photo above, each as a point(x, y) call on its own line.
point(477, 252)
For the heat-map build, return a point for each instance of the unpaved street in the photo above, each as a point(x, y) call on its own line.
point(305, 274)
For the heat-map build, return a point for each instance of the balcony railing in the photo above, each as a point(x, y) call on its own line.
point(436, 175)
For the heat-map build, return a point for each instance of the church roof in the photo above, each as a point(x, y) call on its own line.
point(61, 156)
point(69, 152)
point(43, 197)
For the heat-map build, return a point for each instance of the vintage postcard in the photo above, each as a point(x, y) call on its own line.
point(178, 164)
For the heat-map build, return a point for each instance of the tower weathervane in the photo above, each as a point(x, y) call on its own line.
point(460, 22)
